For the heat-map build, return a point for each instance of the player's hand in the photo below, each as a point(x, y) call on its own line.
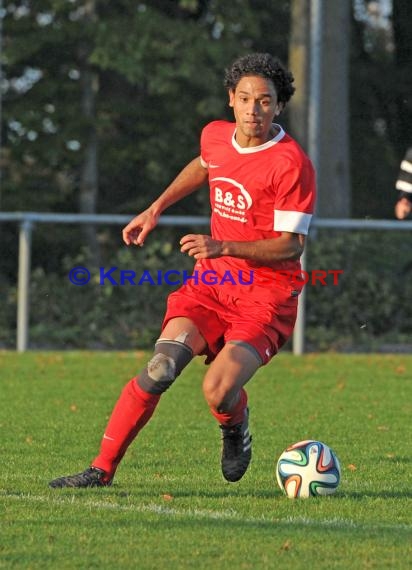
point(137, 230)
point(200, 246)
point(403, 208)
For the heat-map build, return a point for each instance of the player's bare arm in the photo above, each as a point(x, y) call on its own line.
point(187, 181)
point(288, 246)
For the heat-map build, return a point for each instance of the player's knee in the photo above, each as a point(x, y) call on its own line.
point(168, 361)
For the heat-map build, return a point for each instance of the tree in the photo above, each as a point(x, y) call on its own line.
point(332, 156)
point(89, 85)
point(104, 101)
point(402, 18)
point(334, 200)
point(381, 109)
point(299, 63)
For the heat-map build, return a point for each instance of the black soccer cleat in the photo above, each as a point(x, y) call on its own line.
point(91, 477)
point(237, 449)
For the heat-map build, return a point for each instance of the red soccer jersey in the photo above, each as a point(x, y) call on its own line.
point(255, 193)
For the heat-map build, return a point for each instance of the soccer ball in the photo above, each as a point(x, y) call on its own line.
point(308, 469)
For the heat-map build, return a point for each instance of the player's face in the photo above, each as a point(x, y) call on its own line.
point(255, 104)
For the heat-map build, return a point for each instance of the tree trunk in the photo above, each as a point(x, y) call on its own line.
point(299, 66)
point(89, 173)
point(402, 17)
point(332, 156)
point(333, 172)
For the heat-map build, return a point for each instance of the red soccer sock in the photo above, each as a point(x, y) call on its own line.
point(236, 414)
point(132, 411)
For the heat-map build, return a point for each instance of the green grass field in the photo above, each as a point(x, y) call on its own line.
point(170, 506)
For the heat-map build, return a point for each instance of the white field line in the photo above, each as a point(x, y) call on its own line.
point(230, 515)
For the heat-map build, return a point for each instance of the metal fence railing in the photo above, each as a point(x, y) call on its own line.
point(27, 221)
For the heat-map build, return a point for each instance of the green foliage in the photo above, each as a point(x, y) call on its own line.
point(158, 69)
point(99, 314)
point(169, 505)
point(380, 110)
point(370, 305)
point(368, 308)
point(42, 108)
point(153, 94)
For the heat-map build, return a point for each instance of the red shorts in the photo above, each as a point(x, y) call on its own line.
point(221, 317)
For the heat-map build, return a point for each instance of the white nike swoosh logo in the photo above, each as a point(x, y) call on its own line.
point(214, 166)
point(107, 437)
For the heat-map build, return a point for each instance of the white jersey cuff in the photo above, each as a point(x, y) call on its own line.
point(290, 221)
point(404, 186)
point(406, 166)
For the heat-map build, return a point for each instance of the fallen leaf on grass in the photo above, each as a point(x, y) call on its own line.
point(286, 545)
point(352, 467)
point(167, 497)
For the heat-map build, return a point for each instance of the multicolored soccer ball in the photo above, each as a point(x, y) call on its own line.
point(308, 469)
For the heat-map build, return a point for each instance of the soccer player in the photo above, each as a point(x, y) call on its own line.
point(403, 206)
point(262, 192)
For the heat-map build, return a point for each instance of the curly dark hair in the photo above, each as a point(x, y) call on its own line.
point(264, 65)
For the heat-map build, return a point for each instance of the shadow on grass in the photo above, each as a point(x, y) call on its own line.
point(264, 494)
point(124, 491)
point(397, 459)
point(402, 494)
point(161, 515)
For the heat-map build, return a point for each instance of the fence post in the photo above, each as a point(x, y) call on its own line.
point(298, 345)
point(316, 17)
point(23, 286)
